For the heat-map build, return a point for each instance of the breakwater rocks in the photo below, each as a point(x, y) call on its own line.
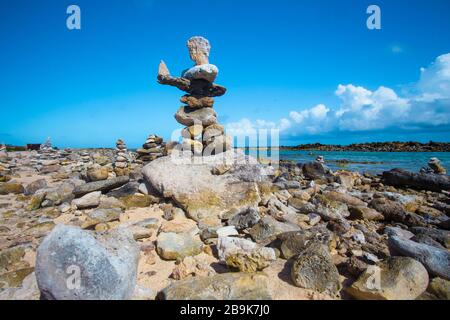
point(227, 228)
point(377, 147)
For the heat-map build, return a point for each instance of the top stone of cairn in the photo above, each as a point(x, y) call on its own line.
point(199, 79)
point(199, 49)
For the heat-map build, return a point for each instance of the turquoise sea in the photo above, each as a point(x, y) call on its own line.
point(372, 162)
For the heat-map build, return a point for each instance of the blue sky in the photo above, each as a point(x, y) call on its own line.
point(309, 68)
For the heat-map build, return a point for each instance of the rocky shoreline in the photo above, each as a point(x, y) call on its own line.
point(185, 231)
point(394, 146)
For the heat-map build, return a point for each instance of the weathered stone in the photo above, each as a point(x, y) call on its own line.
point(313, 269)
point(106, 262)
point(190, 116)
point(244, 255)
point(316, 170)
point(193, 266)
point(14, 279)
point(193, 145)
point(365, 213)
point(97, 174)
point(227, 286)
point(246, 219)
point(398, 232)
point(206, 72)
point(180, 226)
point(10, 187)
point(199, 49)
point(393, 211)
point(192, 132)
point(90, 200)
point(345, 198)
point(295, 242)
point(397, 278)
point(173, 246)
point(267, 229)
point(34, 186)
point(441, 236)
point(104, 186)
point(197, 102)
point(328, 209)
point(138, 201)
point(440, 288)
point(424, 181)
point(435, 260)
point(127, 189)
point(101, 216)
point(218, 145)
point(196, 190)
point(436, 166)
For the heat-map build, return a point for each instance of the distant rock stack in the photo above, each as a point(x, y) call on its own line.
point(2, 147)
point(153, 148)
point(436, 167)
point(202, 134)
point(122, 159)
point(46, 146)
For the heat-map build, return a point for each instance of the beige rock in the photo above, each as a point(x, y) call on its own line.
point(97, 174)
point(397, 278)
point(193, 266)
point(199, 49)
point(197, 102)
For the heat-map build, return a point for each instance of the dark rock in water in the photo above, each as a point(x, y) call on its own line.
point(73, 264)
point(226, 286)
point(104, 186)
point(316, 170)
point(394, 211)
point(435, 260)
point(424, 181)
point(128, 189)
point(314, 269)
point(246, 219)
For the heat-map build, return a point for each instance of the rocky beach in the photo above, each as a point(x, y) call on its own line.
point(198, 219)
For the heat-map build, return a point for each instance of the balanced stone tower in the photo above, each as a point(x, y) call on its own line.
point(202, 134)
point(152, 149)
point(122, 159)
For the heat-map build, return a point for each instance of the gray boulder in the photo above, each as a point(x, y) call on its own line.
point(436, 261)
point(200, 193)
point(73, 264)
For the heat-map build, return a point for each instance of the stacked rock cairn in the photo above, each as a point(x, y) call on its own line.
point(153, 148)
point(122, 159)
point(202, 134)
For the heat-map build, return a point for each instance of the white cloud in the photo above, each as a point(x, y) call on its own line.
point(361, 109)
